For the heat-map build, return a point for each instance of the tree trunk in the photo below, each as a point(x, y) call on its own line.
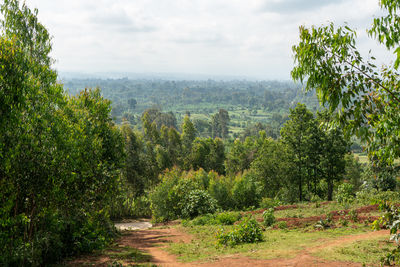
point(330, 189)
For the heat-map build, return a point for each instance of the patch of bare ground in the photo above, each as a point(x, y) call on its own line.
point(152, 241)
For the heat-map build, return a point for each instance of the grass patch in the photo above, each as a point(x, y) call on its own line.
point(365, 251)
point(127, 253)
point(311, 209)
point(281, 243)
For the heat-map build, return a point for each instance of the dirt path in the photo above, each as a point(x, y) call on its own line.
point(153, 240)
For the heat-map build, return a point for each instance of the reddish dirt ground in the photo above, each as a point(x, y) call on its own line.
point(153, 240)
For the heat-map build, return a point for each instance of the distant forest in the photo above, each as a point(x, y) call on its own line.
point(249, 103)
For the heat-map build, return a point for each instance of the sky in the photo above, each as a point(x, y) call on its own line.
point(243, 38)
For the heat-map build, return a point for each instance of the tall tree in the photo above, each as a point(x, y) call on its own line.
point(334, 148)
point(366, 97)
point(219, 124)
point(299, 134)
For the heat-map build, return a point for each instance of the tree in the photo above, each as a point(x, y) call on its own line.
point(366, 98)
point(333, 150)
point(132, 103)
point(273, 167)
point(208, 154)
point(219, 124)
point(300, 134)
point(134, 169)
point(59, 155)
point(188, 135)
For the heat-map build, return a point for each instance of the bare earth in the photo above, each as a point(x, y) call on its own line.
point(153, 240)
point(146, 240)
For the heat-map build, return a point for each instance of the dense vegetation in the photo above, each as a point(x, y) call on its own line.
point(60, 155)
point(247, 102)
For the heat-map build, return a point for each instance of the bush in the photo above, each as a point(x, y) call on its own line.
point(220, 188)
point(268, 217)
point(179, 195)
point(372, 195)
point(208, 219)
point(246, 191)
point(267, 203)
point(228, 218)
point(248, 231)
point(344, 195)
point(198, 202)
point(282, 225)
point(167, 198)
point(353, 214)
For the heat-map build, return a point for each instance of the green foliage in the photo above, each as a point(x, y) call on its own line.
point(248, 231)
point(246, 191)
point(223, 218)
point(60, 156)
point(267, 203)
point(208, 154)
point(282, 225)
point(167, 196)
point(353, 214)
point(372, 195)
point(322, 224)
point(365, 95)
point(182, 194)
point(219, 124)
point(268, 217)
point(344, 194)
point(207, 219)
point(391, 220)
point(220, 188)
point(228, 218)
point(198, 202)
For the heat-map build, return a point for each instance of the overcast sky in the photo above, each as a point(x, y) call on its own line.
point(213, 37)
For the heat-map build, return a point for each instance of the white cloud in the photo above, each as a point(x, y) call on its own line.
point(216, 37)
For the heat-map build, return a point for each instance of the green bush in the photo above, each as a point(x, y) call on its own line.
point(223, 218)
point(353, 214)
point(246, 192)
point(268, 217)
point(207, 219)
point(267, 203)
point(368, 196)
point(248, 231)
point(220, 188)
point(198, 202)
point(344, 195)
point(282, 225)
point(179, 195)
point(228, 218)
point(167, 197)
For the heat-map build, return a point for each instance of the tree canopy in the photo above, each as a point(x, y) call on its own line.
point(365, 97)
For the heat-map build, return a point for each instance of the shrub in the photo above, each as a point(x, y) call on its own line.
point(198, 202)
point(282, 225)
point(267, 203)
point(246, 191)
point(168, 196)
point(372, 195)
point(268, 217)
point(344, 195)
point(220, 188)
point(228, 218)
point(248, 231)
point(207, 219)
point(353, 214)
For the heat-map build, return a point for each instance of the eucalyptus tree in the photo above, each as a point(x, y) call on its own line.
point(365, 97)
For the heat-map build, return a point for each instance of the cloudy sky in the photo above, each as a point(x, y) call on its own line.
point(213, 37)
